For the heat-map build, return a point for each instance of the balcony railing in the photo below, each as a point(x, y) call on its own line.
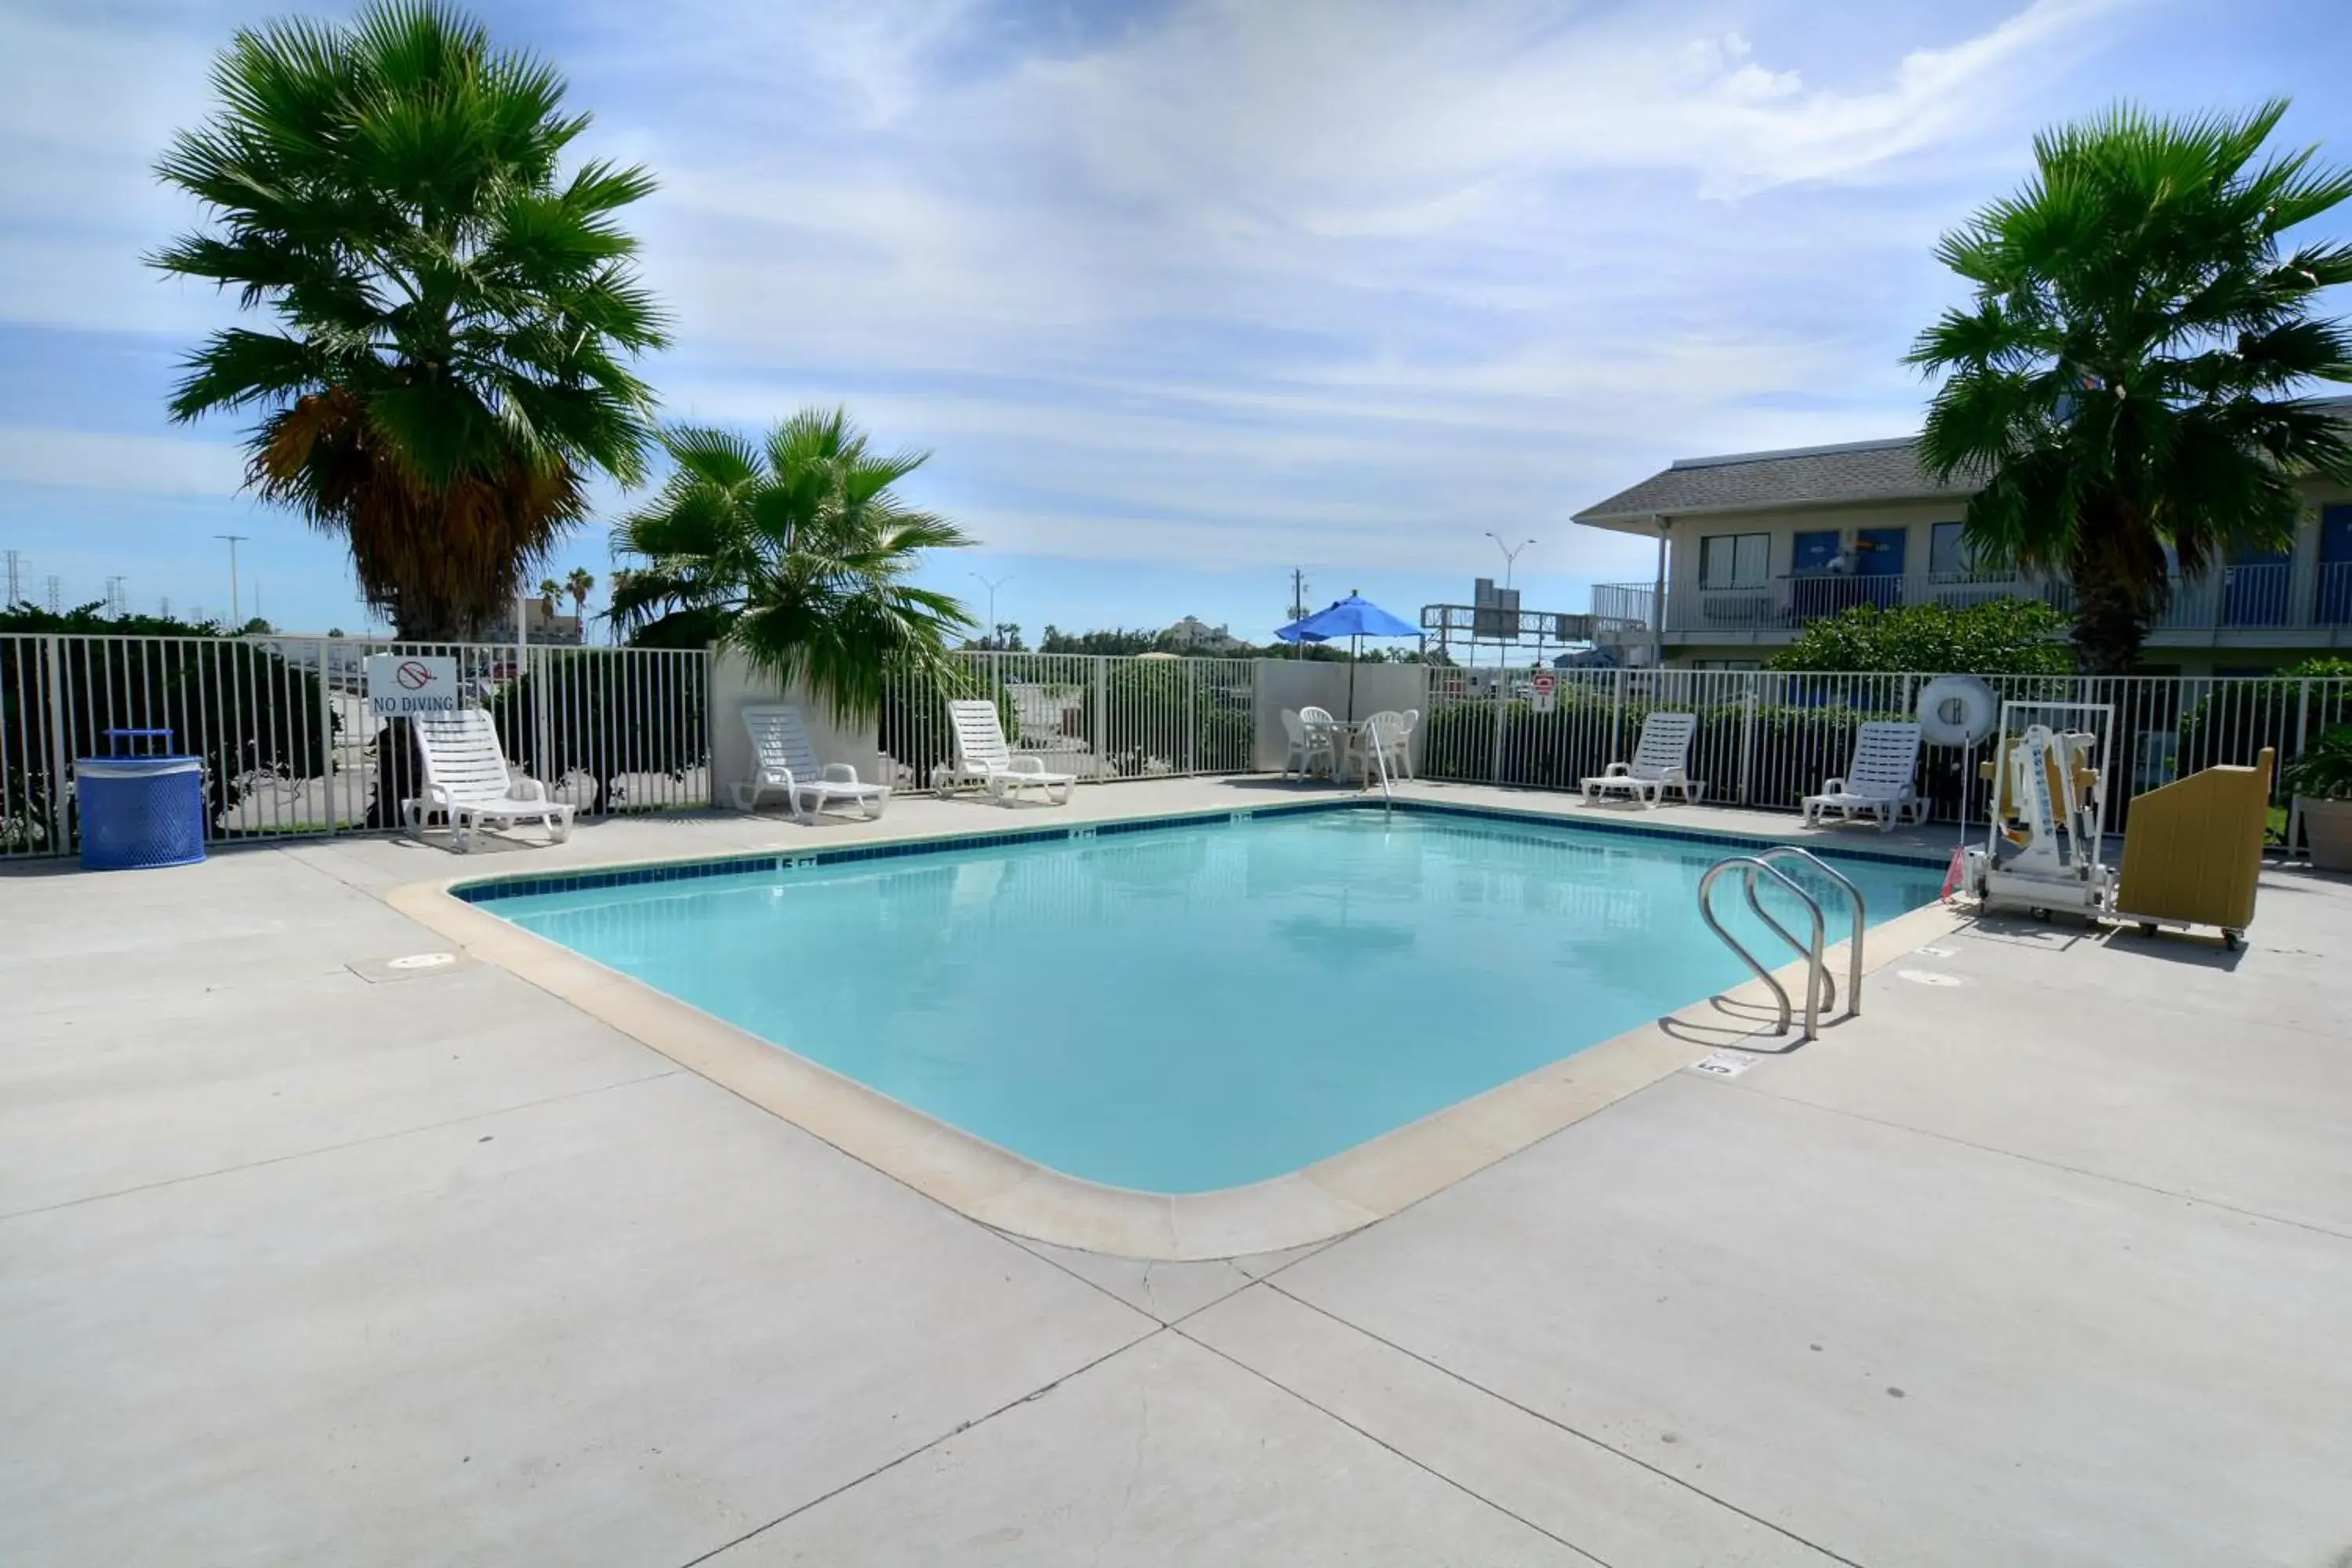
point(2229, 598)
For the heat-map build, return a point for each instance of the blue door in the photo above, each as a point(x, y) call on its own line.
point(2254, 588)
point(1813, 551)
point(1878, 562)
point(1813, 591)
point(2335, 566)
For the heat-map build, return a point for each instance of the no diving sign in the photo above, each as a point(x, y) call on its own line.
point(1543, 684)
point(400, 686)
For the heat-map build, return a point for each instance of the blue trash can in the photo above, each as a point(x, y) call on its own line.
point(139, 810)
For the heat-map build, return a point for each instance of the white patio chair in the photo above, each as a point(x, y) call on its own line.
point(1382, 736)
point(784, 762)
point(982, 755)
point(1661, 763)
point(1400, 745)
point(1878, 779)
point(466, 779)
point(1303, 747)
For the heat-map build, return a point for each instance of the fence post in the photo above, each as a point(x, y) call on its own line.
point(1502, 696)
point(326, 737)
point(2302, 726)
point(710, 727)
point(1747, 739)
point(1617, 718)
point(1101, 705)
point(1192, 702)
point(56, 670)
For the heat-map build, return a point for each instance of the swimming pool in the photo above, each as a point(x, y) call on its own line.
point(1182, 1008)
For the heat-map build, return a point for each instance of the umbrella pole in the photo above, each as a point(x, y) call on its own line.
point(1354, 649)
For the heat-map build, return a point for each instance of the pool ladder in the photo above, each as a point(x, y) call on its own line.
point(1821, 990)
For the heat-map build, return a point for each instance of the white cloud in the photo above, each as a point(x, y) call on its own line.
point(1220, 283)
point(148, 465)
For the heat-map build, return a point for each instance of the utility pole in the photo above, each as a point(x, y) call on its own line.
point(988, 638)
point(16, 578)
point(1299, 606)
point(118, 602)
point(52, 585)
point(236, 602)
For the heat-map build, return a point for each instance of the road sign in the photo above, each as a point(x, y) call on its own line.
point(1545, 684)
point(400, 686)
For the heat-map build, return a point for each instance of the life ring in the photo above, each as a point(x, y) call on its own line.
point(1956, 711)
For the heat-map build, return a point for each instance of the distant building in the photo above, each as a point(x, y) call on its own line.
point(1195, 636)
point(541, 624)
point(1754, 545)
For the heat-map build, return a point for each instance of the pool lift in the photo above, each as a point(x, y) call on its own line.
point(2044, 846)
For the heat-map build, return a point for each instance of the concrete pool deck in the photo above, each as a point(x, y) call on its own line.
point(302, 1263)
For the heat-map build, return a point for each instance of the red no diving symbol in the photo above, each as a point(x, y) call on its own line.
point(413, 674)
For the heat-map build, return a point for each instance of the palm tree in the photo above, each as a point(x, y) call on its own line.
point(792, 552)
point(2128, 378)
point(580, 582)
point(454, 318)
point(547, 589)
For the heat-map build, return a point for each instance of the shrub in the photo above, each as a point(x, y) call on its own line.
point(251, 716)
point(2000, 637)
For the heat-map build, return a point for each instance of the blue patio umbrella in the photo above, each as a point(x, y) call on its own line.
point(1355, 618)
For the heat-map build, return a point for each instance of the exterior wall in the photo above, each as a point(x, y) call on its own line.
point(1280, 683)
point(735, 685)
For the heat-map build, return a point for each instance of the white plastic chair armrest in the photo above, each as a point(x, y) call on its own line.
point(1833, 786)
point(840, 772)
point(524, 788)
point(1617, 771)
point(1027, 765)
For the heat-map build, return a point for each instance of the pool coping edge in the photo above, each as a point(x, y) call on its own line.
point(984, 1182)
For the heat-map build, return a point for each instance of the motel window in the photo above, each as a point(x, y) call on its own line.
point(1947, 551)
point(1734, 560)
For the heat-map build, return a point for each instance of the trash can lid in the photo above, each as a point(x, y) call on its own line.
point(134, 768)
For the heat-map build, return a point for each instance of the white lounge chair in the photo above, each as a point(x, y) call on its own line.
point(1303, 748)
point(982, 755)
point(1661, 763)
point(466, 778)
point(784, 762)
point(1878, 779)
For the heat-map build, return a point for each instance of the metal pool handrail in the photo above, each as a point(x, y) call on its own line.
point(1816, 974)
point(1853, 898)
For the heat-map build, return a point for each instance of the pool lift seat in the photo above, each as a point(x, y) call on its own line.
point(2044, 849)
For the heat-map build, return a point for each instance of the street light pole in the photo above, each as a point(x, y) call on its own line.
point(236, 600)
point(1510, 553)
point(989, 634)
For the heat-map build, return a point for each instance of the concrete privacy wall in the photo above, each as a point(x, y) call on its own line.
point(735, 685)
point(1280, 683)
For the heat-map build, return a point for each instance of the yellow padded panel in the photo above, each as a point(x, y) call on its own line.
point(2194, 848)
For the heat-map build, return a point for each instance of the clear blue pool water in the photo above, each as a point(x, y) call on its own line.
point(1196, 1007)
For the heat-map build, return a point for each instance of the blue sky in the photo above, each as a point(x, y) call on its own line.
point(1179, 296)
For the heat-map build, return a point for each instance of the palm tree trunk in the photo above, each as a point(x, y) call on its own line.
point(2120, 590)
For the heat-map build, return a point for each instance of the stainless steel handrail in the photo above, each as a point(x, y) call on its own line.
point(1853, 899)
point(1816, 974)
